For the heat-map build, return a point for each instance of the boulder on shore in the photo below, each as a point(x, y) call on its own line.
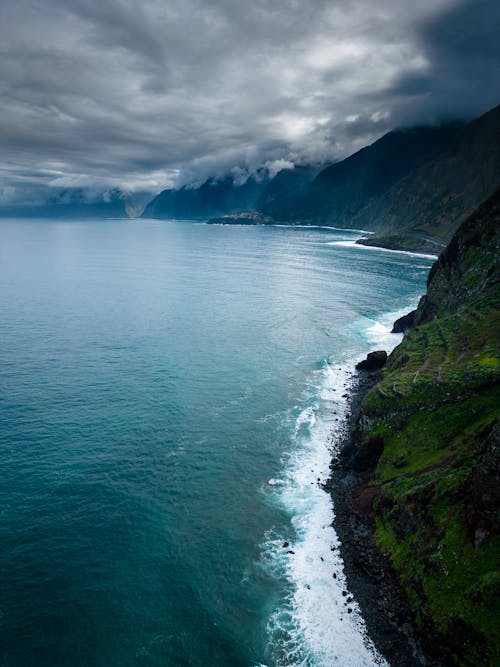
point(373, 362)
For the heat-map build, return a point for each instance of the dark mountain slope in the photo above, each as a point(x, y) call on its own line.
point(427, 450)
point(341, 190)
point(412, 187)
point(212, 198)
point(337, 193)
point(282, 197)
point(423, 209)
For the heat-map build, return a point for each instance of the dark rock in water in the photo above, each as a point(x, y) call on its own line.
point(373, 362)
point(403, 324)
point(291, 552)
point(284, 545)
point(413, 319)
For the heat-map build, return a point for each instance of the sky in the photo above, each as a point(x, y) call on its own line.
point(160, 93)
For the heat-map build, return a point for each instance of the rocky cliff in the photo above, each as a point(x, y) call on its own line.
point(424, 208)
point(425, 452)
point(341, 191)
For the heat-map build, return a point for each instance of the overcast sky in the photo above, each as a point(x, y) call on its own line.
point(153, 93)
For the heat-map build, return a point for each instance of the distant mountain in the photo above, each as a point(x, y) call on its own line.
point(412, 187)
point(335, 194)
point(282, 198)
point(79, 203)
point(423, 209)
point(213, 198)
point(339, 192)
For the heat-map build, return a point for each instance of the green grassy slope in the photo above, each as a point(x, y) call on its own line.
point(436, 414)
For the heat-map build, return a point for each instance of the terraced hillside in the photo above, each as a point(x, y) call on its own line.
point(430, 450)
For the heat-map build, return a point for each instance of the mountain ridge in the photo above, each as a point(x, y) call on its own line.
point(435, 198)
point(340, 191)
point(411, 188)
point(214, 197)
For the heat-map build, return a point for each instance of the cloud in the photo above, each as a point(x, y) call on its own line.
point(149, 95)
point(461, 79)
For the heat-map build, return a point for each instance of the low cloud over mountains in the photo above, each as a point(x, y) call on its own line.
point(144, 96)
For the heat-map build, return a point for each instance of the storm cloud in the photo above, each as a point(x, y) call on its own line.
point(115, 93)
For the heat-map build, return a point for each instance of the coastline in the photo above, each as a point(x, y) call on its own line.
point(401, 243)
point(357, 244)
point(415, 485)
point(336, 573)
point(369, 575)
point(320, 617)
point(424, 249)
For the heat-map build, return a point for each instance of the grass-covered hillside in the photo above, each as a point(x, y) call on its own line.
point(432, 427)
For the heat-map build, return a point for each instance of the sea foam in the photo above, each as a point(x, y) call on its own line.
point(353, 244)
point(318, 623)
point(315, 625)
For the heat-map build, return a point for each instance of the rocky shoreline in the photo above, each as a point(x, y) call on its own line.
point(416, 486)
point(370, 576)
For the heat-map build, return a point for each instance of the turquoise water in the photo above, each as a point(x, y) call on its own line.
point(169, 397)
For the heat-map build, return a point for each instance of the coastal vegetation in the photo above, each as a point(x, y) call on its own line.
point(428, 450)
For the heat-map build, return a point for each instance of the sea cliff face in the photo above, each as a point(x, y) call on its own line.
point(424, 208)
point(425, 450)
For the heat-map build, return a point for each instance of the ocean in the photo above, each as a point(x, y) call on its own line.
point(170, 398)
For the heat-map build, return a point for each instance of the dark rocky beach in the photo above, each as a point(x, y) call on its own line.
point(370, 576)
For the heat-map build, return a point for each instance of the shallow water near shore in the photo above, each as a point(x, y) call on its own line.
point(170, 394)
